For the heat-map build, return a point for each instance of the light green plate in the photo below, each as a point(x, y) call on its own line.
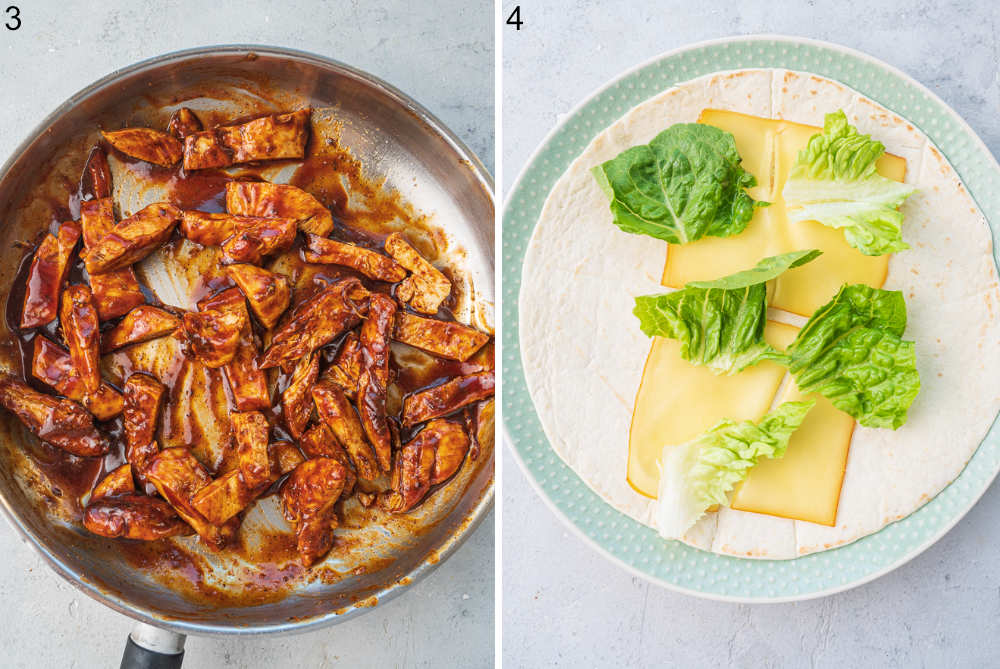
point(635, 546)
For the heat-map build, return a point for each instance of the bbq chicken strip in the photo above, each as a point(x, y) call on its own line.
point(260, 198)
point(247, 381)
point(261, 237)
point(374, 380)
point(445, 339)
point(51, 364)
point(370, 263)
point(133, 517)
point(426, 288)
point(249, 237)
point(318, 321)
point(142, 324)
point(203, 150)
point(285, 456)
point(117, 482)
point(346, 367)
point(95, 182)
point(62, 423)
point(46, 276)
point(276, 137)
point(447, 398)
point(133, 239)
point(229, 494)
point(143, 400)
point(212, 336)
point(147, 144)
point(308, 499)
point(184, 122)
point(319, 442)
point(296, 401)
point(251, 430)
point(81, 330)
point(178, 476)
point(336, 412)
point(115, 293)
point(267, 292)
point(430, 458)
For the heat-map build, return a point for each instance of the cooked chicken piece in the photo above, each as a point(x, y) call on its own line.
point(230, 494)
point(203, 150)
point(211, 229)
point(268, 293)
point(212, 336)
point(147, 144)
point(133, 239)
point(307, 498)
point(247, 382)
point(142, 324)
point(370, 263)
point(336, 412)
point(319, 442)
point(446, 398)
point(260, 237)
point(183, 122)
point(81, 330)
point(46, 277)
point(431, 457)
point(95, 182)
point(260, 198)
point(441, 338)
point(296, 402)
point(115, 293)
point(117, 482)
point(367, 499)
point(426, 288)
point(374, 380)
point(143, 400)
point(178, 476)
point(346, 367)
point(223, 498)
point(251, 431)
point(133, 517)
point(62, 423)
point(318, 321)
point(285, 456)
point(52, 365)
point(268, 138)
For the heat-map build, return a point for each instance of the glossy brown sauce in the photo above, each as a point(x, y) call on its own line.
point(336, 179)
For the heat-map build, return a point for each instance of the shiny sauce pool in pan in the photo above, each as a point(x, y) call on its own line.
point(265, 557)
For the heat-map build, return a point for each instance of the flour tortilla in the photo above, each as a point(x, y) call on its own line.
point(583, 352)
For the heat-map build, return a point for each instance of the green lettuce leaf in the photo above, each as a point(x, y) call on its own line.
point(702, 472)
point(834, 181)
point(851, 352)
point(719, 323)
point(685, 184)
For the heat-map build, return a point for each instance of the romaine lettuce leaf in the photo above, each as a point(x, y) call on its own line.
point(719, 323)
point(851, 352)
point(834, 181)
point(685, 184)
point(702, 472)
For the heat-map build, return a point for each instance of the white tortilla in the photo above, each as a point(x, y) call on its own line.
point(583, 352)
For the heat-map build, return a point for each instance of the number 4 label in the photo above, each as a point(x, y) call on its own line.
point(515, 18)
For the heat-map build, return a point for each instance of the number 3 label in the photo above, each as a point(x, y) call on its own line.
point(15, 18)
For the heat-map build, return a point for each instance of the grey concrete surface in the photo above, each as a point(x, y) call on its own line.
point(443, 56)
point(940, 610)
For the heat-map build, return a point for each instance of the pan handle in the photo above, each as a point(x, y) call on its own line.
point(150, 647)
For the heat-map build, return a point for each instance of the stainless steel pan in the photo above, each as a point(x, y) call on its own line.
point(394, 137)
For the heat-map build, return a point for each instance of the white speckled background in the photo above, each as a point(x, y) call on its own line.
point(941, 609)
point(439, 53)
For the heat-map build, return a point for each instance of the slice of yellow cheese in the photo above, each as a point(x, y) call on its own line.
point(804, 484)
point(769, 148)
point(677, 401)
